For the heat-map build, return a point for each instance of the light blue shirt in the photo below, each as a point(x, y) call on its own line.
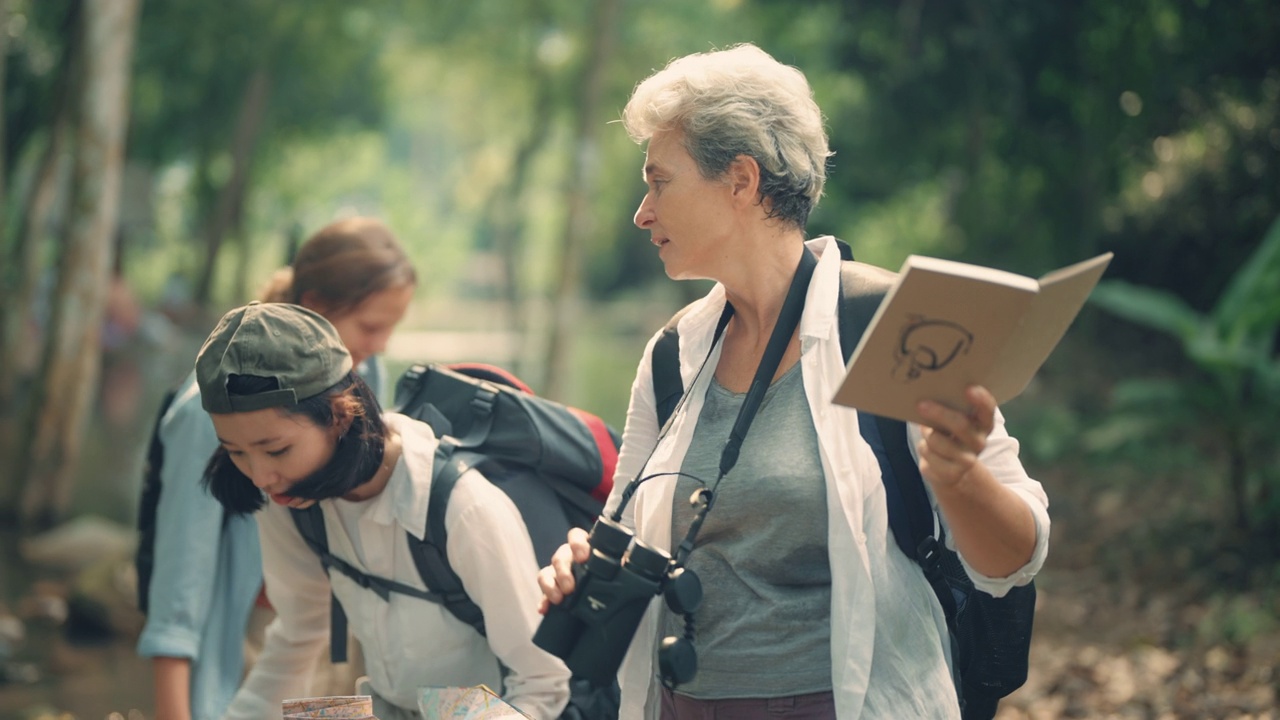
point(208, 570)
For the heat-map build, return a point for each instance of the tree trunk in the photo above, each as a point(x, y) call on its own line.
point(68, 379)
point(25, 263)
point(230, 203)
point(503, 214)
point(586, 157)
point(1238, 482)
point(4, 54)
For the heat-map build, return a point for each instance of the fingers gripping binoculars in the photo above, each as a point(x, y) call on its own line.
point(592, 628)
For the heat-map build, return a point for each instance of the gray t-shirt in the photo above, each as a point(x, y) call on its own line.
point(764, 628)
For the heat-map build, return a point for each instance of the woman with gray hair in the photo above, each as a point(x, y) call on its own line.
point(810, 610)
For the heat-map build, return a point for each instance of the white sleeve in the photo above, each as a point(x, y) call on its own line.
point(639, 435)
point(490, 550)
point(298, 588)
point(1001, 458)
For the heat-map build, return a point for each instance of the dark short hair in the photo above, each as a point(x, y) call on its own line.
point(355, 460)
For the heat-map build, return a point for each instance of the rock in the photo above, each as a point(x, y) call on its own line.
point(18, 673)
point(79, 543)
point(1217, 660)
point(102, 603)
point(46, 601)
point(12, 631)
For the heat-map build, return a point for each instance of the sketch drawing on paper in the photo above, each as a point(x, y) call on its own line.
point(927, 345)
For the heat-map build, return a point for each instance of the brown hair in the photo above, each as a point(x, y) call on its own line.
point(343, 264)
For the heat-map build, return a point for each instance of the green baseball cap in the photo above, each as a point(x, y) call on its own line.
point(290, 343)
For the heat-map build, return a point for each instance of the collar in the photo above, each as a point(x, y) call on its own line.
point(822, 301)
point(817, 322)
point(404, 499)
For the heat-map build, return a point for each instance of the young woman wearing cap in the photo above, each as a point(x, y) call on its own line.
point(208, 567)
point(296, 425)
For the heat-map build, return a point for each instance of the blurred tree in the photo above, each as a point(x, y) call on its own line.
point(217, 81)
point(4, 57)
point(68, 375)
point(578, 227)
point(523, 49)
point(205, 75)
point(27, 247)
point(1043, 133)
point(525, 98)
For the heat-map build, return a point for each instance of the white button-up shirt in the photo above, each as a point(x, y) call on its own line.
point(888, 660)
point(407, 642)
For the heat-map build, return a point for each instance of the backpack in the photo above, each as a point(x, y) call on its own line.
point(144, 558)
point(990, 637)
point(555, 462)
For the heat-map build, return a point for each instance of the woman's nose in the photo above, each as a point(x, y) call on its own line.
point(644, 214)
point(262, 476)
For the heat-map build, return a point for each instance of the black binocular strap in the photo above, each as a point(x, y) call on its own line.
point(779, 339)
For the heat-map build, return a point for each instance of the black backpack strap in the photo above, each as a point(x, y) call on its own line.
point(429, 554)
point(149, 503)
point(668, 385)
point(911, 516)
point(846, 252)
point(310, 524)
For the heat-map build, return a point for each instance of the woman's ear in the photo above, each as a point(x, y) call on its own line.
point(744, 179)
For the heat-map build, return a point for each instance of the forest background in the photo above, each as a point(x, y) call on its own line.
point(160, 158)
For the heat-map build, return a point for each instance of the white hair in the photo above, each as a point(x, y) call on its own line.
point(740, 101)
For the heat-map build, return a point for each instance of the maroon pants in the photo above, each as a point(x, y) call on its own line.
point(815, 706)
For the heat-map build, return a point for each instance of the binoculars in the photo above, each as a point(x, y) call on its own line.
point(592, 628)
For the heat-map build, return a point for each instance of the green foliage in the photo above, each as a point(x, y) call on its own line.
point(1233, 396)
point(1057, 129)
point(1236, 619)
point(1236, 340)
point(193, 60)
point(38, 31)
point(1048, 432)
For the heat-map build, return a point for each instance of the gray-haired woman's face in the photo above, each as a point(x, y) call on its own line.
point(687, 216)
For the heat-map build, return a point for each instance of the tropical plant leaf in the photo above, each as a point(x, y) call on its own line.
point(1155, 309)
point(1146, 393)
point(1214, 353)
point(1124, 429)
point(1251, 300)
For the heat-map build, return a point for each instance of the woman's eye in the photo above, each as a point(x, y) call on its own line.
point(277, 453)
